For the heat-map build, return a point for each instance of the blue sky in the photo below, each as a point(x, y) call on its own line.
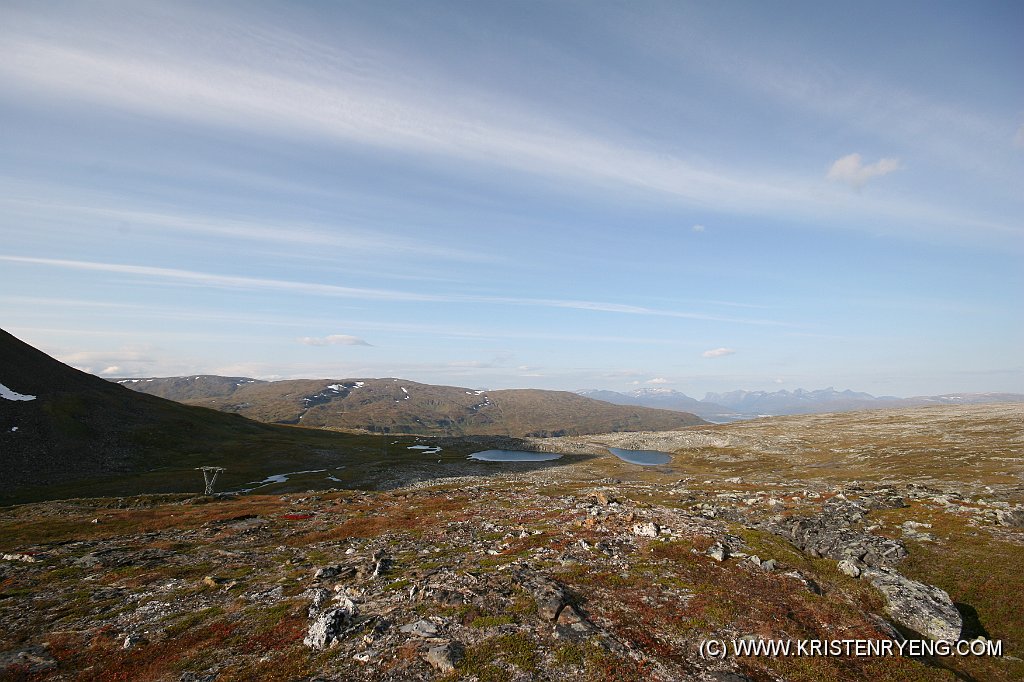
point(564, 195)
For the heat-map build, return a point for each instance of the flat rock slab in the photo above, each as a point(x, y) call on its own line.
point(922, 608)
point(421, 628)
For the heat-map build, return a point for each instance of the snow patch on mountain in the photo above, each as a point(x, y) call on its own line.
point(8, 394)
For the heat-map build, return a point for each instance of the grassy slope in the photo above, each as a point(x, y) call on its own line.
point(382, 406)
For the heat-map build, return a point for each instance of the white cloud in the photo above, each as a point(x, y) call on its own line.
point(333, 340)
point(718, 352)
point(698, 228)
point(658, 381)
point(126, 361)
point(852, 171)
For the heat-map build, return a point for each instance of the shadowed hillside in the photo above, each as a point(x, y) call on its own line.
point(77, 426)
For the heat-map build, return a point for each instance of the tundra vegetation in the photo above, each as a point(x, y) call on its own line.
point(809, 527)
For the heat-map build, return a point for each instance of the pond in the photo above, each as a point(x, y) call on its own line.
point(278, 478)
point(513, 456)
point(427, 449)
point(642, 457)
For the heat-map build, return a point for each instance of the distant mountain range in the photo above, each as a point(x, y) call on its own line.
point(734, 405)
point(400, 406)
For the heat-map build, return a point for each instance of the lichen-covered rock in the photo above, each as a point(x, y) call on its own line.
point(421, 628)
point(328, 626)
point(444, 657)
point(922, 608)
point(837, 533)
point(646, 530)
point(849, 567)
point(718, 552)
point(1012, 517)
point(549, 596)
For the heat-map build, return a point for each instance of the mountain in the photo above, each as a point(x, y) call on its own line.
point(799, 401)
point(733, 405)
point(666, 399)
point(68, 433)
point(400, 406)
point(802, 401)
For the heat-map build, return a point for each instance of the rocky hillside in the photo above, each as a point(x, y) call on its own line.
point(892, 527)
point(401, 406)
point(529, 578)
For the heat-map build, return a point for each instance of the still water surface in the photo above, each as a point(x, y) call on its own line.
point(513, 456)
point(642, 457)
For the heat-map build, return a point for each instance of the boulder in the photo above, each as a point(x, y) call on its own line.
point(421, 628)
point(849, 567)
point(327, 628)
point(718, 552)
point(923, 608)
point(444, 657)
point(646, 530)
point(549, 595)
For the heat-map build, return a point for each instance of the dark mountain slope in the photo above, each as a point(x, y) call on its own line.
point(79, 428)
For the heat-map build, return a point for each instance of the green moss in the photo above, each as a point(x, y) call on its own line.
point(491, 621)
point(399, 584)
point(570, 655)
point(484, 660)
point(192, 620)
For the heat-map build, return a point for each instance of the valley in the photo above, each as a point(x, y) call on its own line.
point(334, 555)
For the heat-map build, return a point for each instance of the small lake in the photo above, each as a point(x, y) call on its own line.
point(513, 456)
point(278, 478)
point(427, 449)
point(642, 457)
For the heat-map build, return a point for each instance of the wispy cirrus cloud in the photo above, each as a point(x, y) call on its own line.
point(315, 92)
point(339, 105)
point(852, 170)
point(333, 340)
point(35, 201)
point(718, 352)
point(206, 279)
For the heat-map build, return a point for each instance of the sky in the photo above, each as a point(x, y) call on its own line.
point(566, 195)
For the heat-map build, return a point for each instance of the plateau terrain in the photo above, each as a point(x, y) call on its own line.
point(740, 404)
point(326, 555)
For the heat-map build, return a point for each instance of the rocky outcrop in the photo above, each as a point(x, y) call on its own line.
point(328, 627)
point(838, 532)
point(923, 608)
